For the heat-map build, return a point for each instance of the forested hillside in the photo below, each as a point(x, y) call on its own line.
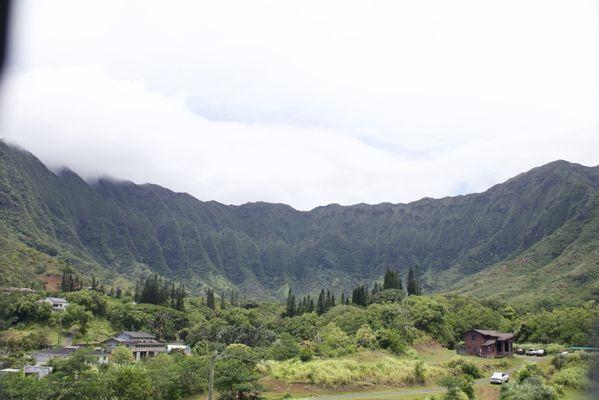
point(542, 223)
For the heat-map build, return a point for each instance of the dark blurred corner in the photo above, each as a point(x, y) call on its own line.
point(4, 22)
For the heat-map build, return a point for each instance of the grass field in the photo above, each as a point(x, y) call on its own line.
point(54, 335)
point(97, 331)
point(372, 374)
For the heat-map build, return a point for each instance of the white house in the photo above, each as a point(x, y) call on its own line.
point(57, 303)
point(43, 356)
point(141, 344)
point(39, 370)
point(178, 347)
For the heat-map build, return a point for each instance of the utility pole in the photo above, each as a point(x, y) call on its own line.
point(211, 376)
point(58, 336)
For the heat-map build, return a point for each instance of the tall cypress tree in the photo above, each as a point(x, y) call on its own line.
point(321, 307)
point(222, 300)
point(392, 280)
point(360, 295)
point(137, 294)
point(377, 288)
point(411, 283)
point(180, 302)
point(210, 298)
point(417, 281)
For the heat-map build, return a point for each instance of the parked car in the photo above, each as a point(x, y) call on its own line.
point(536, 352)
point(520, 351)
point(500, 378)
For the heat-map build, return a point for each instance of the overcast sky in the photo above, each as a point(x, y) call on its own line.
point(305, 102)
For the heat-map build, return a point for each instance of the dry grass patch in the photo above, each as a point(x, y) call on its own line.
point(362, 369)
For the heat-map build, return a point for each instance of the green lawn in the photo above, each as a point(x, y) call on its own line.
point(98, 330)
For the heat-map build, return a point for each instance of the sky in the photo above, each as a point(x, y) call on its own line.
point(304, 102)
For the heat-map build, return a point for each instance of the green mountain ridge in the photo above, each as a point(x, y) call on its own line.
point(544, 219)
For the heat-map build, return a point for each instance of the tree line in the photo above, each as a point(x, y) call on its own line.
point(360, 295)
point(156, 290)
point(211, 302)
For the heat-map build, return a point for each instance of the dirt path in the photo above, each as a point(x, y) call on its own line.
point(377, 395)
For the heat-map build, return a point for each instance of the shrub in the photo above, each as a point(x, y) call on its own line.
point(284, 348)
point(306, 353)
point(559, 361)
point(366, 338)
point(462, 366)
point(529, 370)
point(458, 387)
point(390, 340)
point(419, 373)
point(531, 388)
point(472, 370)
point(335, 342)
point(348, 318)
point(574, 377)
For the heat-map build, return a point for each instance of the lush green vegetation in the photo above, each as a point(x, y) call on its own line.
point(537, 233)
point(372, 345)
point(163, 377)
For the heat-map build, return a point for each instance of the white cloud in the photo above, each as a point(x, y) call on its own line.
point(306, 103)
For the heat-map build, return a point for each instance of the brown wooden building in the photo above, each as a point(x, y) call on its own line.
point(478, 342)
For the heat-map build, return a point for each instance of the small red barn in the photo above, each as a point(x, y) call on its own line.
point(478, 342)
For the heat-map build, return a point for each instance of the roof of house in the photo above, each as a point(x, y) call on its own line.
point(134, 338)
point(66, 351)
point(56, 300)
point(58, 351)
point(495, 334)
point(489, 342)
point(34, 368)
point(139, 335)
point(61, 350)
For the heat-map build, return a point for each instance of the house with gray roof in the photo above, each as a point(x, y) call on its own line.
point(141, 344)
point(41, 357)
point(57, 303)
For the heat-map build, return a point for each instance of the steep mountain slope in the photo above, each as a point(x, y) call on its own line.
point(119, 230)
